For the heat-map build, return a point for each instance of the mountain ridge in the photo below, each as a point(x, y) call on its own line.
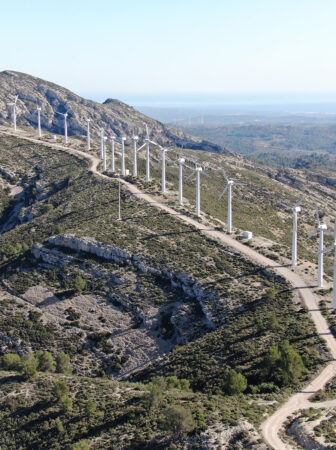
point(112, 114)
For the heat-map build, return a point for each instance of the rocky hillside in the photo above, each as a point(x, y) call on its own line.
point(115, 116)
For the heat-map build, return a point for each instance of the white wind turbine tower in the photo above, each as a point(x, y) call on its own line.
point(228, 188)
point(104, 153)
point(320, 230)
point(180, 160)
point(333, 268)
point(197, 171)
point(112, 153)
point(88, 137)
point(13, 105)
point(123, 171)
point(295, 210)
point(101, 142)
point(163, 169)
point(38, 109)
point(135, 167)
point(163, 165)
point(65, 115)
point(147, 155)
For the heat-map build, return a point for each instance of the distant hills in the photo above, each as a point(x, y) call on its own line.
point(115, 116)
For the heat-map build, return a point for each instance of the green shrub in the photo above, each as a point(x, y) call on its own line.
point(81, 445)
point(283, 364)
point(234, 382)
point(29, 365)
point(60, 390)
point(79, 284)
point(46, 362)
point(59, 425)
point(63, 364)
point(178, 420)
point(90, 408)
point(65, 404)
point(11, 361)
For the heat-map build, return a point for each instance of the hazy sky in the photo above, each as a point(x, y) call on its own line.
point(101, 48)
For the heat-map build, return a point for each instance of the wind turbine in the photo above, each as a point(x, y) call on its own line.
point(147, 141)
point(180, 160)
point(13, 105)
point(112, 153)
point(333, 268)
point(135, 168)
point(228, 188)
point(104, 153)
point(101, 142)
point(38, 109)
point(295, 210)
point(320, 230)
point(65, 115)
point(88, 138)
point(163, 165)
point(123, 172)
point(197, 171)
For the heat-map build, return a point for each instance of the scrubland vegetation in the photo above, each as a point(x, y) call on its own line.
point(60, 370)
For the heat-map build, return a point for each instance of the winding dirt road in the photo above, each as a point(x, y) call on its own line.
point(271, 427)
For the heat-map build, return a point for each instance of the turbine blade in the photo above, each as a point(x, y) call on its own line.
point(284, 205)
point(317, 216)
point(239, 184)
point(141, 147)
point(147, 133)
point(227, 187)
point(190, 176)
point(312, 234)
point(300, 201)
point(328, 249)
point(224, 174)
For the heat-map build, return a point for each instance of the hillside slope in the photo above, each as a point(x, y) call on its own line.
point(149, 282)
point(115, 116)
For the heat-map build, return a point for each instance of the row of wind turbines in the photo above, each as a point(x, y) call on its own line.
point(197, 171)
point(320, 230)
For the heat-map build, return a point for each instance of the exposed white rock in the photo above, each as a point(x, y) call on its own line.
point(177, 279)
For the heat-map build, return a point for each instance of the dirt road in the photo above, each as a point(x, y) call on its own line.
point(270, 428)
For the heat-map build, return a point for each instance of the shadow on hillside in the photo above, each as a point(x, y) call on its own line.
point(11, 379)
point(37, 407)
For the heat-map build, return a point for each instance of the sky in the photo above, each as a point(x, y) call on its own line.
point(152, 48)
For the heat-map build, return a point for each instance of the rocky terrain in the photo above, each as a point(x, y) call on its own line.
point(116, 117)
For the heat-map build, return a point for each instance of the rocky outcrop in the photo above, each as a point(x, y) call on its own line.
point(89, 245)
point(114, 115)
point(9, 175)
point(300, 433)
point(227, 437)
